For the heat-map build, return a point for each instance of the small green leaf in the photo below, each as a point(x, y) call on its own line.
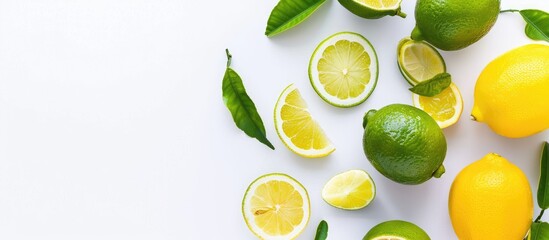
point(539, 231)
point(543, 186)
point(322, 231)
point(433, 86)
point(240, 105)
point(289, 13)
point(537, 24)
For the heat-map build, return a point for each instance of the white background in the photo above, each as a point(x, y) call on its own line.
point(112, 124)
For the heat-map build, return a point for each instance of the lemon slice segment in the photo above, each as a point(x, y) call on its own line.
point(297, 129)
point(343, 69)
point(276, 207)
point(349, 190)
point(445, 107)
point(418, 61)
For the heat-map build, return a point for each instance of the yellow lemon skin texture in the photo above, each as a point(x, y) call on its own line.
point(491, 199)
point(512, 92)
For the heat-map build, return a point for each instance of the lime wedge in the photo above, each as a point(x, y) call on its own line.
point(350, 190)
point(373, 9)
point(418, 61)
point(343, 69)
point(445, 107)
point(296, 127)
point(276, 206)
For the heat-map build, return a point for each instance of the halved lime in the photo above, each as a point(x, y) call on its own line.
point(373, 9)
point(276, 206)
point(343, 69)
point(350, 190)
point(418, 61)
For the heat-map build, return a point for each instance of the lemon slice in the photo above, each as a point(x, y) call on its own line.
point(349, 190)
point(296, 128)
point(445, 107)
point(418, 61)
point(343, 69)
point(276, 206)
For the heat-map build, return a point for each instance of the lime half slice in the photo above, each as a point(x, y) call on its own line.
point(373, 9)
point(418, 61)
point(344, 69)
point(350, 190)
point(276, 206)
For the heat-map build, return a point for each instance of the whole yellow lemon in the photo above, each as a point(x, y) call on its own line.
point(491, 199)
point(512, 92)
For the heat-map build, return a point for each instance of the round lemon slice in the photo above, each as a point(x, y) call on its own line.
point(349, 190)
point(297, 129)
point(276, 207)
point(418, 61)
point(343, 69)
point(445, 107)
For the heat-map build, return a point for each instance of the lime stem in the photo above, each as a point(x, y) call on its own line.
point(509, 10)
point(540, 215)
point(401, 14)
point(229, 57)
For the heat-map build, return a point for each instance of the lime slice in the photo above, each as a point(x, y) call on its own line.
point(418, 61)
point(276, 206)
point(343, 69)
point(373, 9)
point(446, 107)
point(297, 129)
point(350, 190)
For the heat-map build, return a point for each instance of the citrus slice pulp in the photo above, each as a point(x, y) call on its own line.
point(445, 107)
point(276, 206)
point(380, 4)
point(344, 69)
point(349, 190)
point(297, 129)
point(418, 61)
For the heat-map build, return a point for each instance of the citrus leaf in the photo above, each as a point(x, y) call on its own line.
point(537, 24)
point(241, 106)
point(539, 231)
point(543, 186)
point(433, 86)
point(322, 231)
point(289, 13)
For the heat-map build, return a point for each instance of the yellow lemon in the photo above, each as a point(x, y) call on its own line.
point(512, 92)
point(491, 199)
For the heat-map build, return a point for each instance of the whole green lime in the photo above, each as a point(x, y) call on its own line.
point(404, 143)
point(396, 229)
point(454, 24)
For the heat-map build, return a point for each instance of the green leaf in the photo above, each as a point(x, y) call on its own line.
point(543, 186)
point(537, 24)
point(539, 231)
point(240, 105)
point(322, 231)
point(433, 86)
point(289, 13)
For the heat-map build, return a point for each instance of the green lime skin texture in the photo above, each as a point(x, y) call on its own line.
point(454, 24)
point(369, 13)
point(404, 143)
point(397, 228)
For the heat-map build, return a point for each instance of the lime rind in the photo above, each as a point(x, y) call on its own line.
point(405, 73)
point(248, 216)
point(308, 153)
point(326, 196)
point(314, 73)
